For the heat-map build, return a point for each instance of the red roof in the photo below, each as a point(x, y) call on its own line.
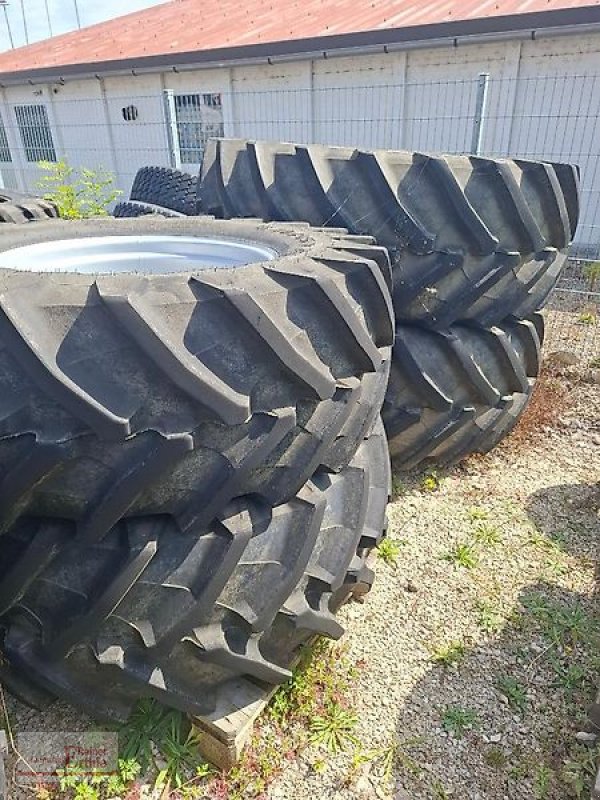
point(199, 26)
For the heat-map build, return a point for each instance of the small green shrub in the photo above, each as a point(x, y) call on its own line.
point(77, 193)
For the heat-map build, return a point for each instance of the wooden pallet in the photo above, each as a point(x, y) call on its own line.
point(225, 732)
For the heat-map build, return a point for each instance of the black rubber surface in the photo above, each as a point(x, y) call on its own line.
point(145, 611)
point(460, 391)
point(127, 394)
point(133, 208)
point(166, 187)
point(18, 208)
point(470, 238)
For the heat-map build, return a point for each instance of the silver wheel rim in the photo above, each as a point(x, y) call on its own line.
point(143, 255)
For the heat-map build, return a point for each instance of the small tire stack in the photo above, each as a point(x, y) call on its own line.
point(160, 190)
point(18, 208)
point(193, 467)
point(477, 245)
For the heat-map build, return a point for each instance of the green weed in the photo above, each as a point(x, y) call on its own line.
point(388, 551)
point(555, 544)
point(488, 617)
point(571, 679)
point(323, 675)
point(542, 781)
point(457, 720)
point(591, 271)
point(579, 771)
point(514, 692)
point(399, 488)
point(179, 748)
point(439, 791)
point(396, 755)
point(319, 765)
point(430, 482)
point(587, 318)
point(475, 513)
point(333, 729)
point(462, 555)
point(487, 535)
point(495, 757)
point(77, 783)
point(563, 625)
point(449, 654)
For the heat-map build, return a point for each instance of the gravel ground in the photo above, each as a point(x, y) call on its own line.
point(573, 324)
point(528, 515)
point(542, 500)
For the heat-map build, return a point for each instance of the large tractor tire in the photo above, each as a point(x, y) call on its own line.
point(470, 238)
point(133, 208)
point(18, 208)
point(167, 386)
point(457, 392)
point(145, 611)
point(166, 187)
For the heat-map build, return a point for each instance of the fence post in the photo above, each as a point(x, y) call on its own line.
point(172, 133)
point(480, 110)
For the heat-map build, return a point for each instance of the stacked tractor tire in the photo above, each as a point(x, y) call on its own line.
point(476, 247)
point(18, 208)
point(193, 460)
point(192, 463)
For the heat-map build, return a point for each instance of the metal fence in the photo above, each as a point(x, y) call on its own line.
point(572, 314)
point(553, 117)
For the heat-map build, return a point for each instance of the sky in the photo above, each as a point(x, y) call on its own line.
point(62, 16)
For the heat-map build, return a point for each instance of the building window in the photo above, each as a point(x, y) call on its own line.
point(36, 133)
point(130, 113)
point(5, 154)
point(199, 117)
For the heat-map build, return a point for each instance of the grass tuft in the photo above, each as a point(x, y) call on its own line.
point(457, 720)
point(487, 535)
point(449, 654)
point(333, 729)
point(514, 692)
point(388, 551)
point(462, 555)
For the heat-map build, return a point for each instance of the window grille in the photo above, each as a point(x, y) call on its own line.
point(5, 154)
point(36, 134)
point(199, 117)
